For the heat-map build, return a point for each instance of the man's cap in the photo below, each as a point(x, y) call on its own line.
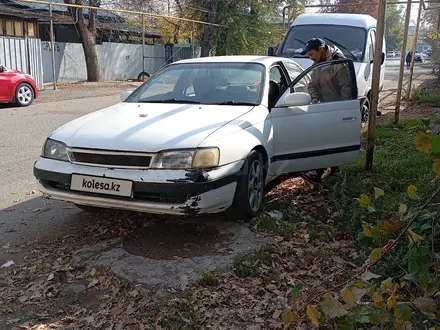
point(313, 43)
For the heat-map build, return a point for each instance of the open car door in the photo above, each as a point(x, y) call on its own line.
point(310, 136)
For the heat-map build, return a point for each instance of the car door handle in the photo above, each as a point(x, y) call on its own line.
point(348, 119)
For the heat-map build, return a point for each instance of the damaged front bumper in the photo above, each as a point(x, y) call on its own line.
point(184, 192)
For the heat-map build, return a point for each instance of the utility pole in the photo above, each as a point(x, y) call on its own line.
point(377, 63)
point(402, 62)
point(52, 48)
point(414, 49)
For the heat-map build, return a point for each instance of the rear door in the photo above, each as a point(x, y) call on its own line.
point(321, 135)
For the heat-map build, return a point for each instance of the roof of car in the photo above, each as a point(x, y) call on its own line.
point(358, 20)
point(265, 60)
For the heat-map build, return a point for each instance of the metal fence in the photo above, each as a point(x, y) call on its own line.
point(24, 55)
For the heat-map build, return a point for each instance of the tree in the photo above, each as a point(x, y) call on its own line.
point(87, 33)
point(351, 7)
point(394, 26)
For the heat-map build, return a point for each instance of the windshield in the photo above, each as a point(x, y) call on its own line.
point(204, 83)
point(352, 38)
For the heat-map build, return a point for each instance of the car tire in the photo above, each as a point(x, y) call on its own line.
point(248, 201)
point(365, 112)
point(143, 76)
point(24, 95)
point(89, 208)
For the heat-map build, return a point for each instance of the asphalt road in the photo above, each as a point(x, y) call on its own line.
point(24, 216)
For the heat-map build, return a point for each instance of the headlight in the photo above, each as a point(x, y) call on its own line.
point(55, 150)
point(206, 158)
point(180, 159)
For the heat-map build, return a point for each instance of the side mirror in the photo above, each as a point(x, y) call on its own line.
point(125, 94)
point(2, 68)
point(271, 51)
point(297, 99)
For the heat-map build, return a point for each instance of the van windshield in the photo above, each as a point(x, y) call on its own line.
point(352, 38)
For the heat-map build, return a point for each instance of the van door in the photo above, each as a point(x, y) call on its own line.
point(372, 38)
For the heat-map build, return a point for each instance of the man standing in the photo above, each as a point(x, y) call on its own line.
point(408, 59)
point(327, 84)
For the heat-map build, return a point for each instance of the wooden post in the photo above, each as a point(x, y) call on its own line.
point(414, 49)
point(52, 49)
point(143, 43)
point(402, 63)
point(377, 63)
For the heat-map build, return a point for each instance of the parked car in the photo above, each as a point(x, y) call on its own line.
point(201, 136)
point(391, 54)
point(17, 87)
point(420, 57)
point(398, 54)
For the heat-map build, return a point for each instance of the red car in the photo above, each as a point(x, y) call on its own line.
point(17, 87)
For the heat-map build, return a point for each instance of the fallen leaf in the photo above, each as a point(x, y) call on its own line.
point(364, 201)
point(403, 208)
point(423, 141)
point(313, 315)
point(351, 294)
point(92, 272)
point(392, 301)
point(50, 277)
point(296, 291)
point(436, 167)
point(369, 275)
point(413, 237)
point(375, 254)
point(378, 300)
point(402, 311)
point(93, 283)
point(412, 192)
point(426, 304)
point(378, 192)
point(332, 308)
point(389, 226)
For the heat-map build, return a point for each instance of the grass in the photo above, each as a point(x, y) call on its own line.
point(421, 96)
point(397, 164)
point(179, 316)
point(210, 279)
point(254, 264)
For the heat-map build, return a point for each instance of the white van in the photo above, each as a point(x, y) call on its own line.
point(353, 34)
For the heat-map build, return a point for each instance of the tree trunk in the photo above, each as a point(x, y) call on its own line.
point(208, 30)
point(87, 33)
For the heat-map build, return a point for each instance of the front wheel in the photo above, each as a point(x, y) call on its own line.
point(24, 95)
point(249, 194)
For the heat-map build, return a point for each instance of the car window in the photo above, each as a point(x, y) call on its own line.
point(204, 83)
point(277, 75)
point(293, 69)
point(329, 82)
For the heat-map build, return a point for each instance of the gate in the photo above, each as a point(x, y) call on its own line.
point(24, 55)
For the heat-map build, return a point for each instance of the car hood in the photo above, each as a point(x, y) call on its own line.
point(147, 127)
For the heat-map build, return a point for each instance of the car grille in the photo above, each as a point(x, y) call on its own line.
point(110, 159)
point(166, 198)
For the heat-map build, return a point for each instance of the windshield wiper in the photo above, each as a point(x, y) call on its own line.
point(173, 100)
point(299, 40)
point(340, 46)
point(234, 103)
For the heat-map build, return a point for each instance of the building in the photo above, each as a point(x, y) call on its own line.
point(111, 27)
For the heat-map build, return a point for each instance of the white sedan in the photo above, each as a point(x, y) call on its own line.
point(201, 136)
